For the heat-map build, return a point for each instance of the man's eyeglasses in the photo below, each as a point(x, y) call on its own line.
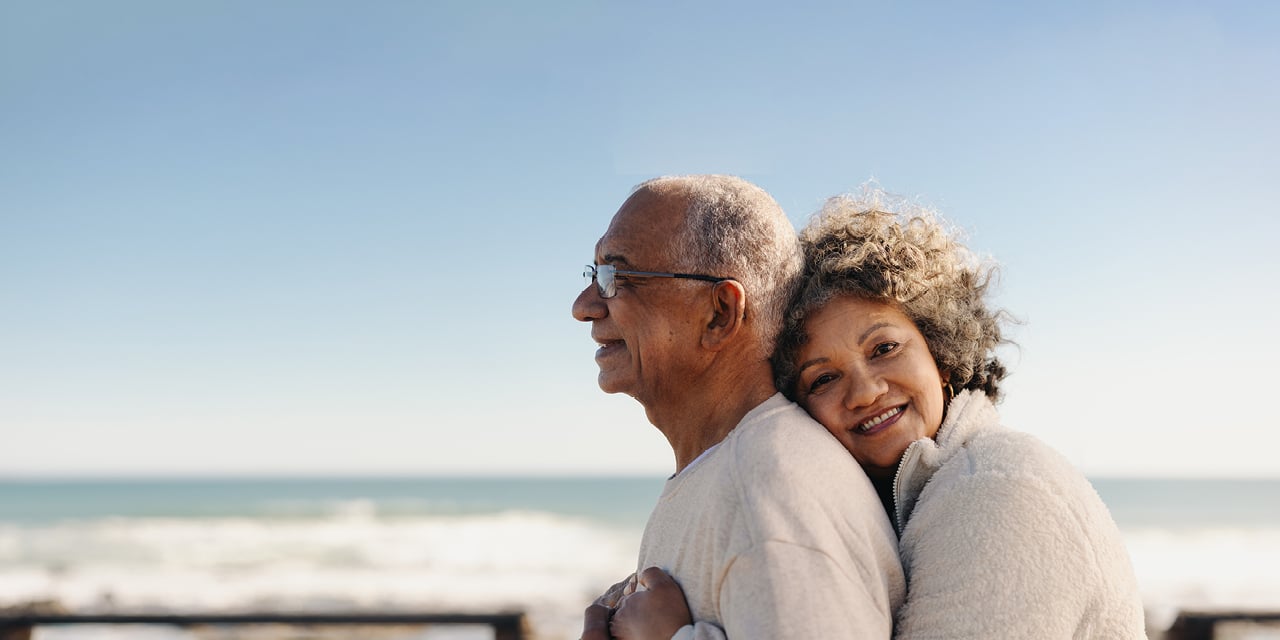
point(605, 276)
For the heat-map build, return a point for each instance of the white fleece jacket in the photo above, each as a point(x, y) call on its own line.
point(1002, 538)
point(776, 533)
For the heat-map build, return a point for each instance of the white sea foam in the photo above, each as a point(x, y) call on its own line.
point(548, 565)
point(1205, 569)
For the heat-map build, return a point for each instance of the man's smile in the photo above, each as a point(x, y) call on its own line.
point(609, 347)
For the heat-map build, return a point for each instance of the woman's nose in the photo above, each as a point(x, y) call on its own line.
point(864, 389)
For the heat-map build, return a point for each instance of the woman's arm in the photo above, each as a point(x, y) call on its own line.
point(996, 556)
point(595, 620)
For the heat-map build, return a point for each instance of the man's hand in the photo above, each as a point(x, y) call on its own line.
point(595, 620)
point(656, 610)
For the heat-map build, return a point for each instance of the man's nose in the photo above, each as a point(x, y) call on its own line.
point(589, 305)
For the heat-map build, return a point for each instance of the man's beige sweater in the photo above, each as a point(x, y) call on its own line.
point(776, 533)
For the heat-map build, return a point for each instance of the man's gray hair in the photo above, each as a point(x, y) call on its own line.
point(734, 229)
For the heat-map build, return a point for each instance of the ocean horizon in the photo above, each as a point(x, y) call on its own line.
point(543, 544)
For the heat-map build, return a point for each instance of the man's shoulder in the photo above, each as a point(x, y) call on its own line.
point(792, 482)
point(780, 430)
point(782, 447)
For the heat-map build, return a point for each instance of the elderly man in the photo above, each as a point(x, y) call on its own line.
point(768, 525)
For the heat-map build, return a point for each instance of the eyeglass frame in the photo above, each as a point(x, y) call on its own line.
point(591, 273)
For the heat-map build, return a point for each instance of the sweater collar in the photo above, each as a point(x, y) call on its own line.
point(968, 412)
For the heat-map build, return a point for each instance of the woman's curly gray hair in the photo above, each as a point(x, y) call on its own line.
point(883, 248)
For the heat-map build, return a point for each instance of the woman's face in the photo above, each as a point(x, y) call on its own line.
point(867, 375)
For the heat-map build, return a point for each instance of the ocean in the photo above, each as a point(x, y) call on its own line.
point(547, 546)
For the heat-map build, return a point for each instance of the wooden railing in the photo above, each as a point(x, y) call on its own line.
point(506, 626)
point(1201, 625)
point(1189, 625)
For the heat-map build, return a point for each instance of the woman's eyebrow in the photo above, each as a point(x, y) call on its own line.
point(865, 334)
point(809, 363)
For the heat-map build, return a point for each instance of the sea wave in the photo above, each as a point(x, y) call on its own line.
point(360, 557)
point(548, 565)
point(1207, 568)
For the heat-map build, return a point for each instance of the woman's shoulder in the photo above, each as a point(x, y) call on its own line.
point(993, 517)
point(1002, 451)
point(1003, 469)
point(974, 442)
point(1012, 482)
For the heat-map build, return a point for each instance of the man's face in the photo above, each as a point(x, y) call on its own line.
point(651, 328)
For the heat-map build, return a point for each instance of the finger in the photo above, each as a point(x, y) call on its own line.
point(606, 599)
point(654, 577)
point(618, 621)
point(631, 585)
point(595, 623)
point(615, 627)
point(611, 596)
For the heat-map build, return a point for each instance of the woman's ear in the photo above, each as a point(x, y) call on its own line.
point(728, 314)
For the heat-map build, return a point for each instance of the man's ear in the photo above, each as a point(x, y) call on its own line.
point(729, 314)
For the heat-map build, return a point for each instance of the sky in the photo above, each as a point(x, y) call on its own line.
point(343, 238)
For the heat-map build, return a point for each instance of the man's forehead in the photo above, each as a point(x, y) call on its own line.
point(612, 248)
point(647, 221)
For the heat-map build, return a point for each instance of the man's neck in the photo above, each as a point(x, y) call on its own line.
point(703, 418)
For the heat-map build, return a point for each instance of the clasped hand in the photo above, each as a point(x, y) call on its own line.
point(650, 606)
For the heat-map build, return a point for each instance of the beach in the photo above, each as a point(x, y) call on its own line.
point(545, 546)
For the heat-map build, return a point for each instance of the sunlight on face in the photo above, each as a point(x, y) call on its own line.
point(649, 329)
point(867, 375)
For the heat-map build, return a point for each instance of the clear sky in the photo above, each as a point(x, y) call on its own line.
point(343, 237)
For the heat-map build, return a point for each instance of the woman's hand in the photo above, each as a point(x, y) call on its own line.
point(595, 620)
point(617, 592)
point(656, 610)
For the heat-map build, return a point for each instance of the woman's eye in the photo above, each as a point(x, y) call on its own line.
point(884, 347)
point(820, 381)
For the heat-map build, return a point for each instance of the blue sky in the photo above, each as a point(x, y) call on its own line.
point(328, 237)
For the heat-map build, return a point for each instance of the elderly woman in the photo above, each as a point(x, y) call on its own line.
point(891, 346)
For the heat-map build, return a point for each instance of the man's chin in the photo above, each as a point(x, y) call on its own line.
point(611, 384)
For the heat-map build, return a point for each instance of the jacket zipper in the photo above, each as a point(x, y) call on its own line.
point(897, 489)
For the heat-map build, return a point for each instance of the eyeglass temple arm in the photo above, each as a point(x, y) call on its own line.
point(658, 274)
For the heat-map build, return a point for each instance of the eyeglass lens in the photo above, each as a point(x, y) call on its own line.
point(603, 277)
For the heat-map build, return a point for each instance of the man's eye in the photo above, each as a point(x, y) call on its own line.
point(885, 347)
point(820, 381)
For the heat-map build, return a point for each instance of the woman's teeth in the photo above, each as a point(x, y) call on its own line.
point(868, 425)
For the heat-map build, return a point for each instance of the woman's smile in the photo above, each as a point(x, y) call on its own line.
point(880, 422)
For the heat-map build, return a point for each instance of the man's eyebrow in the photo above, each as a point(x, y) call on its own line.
point(616, 260)
point(879, 325)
